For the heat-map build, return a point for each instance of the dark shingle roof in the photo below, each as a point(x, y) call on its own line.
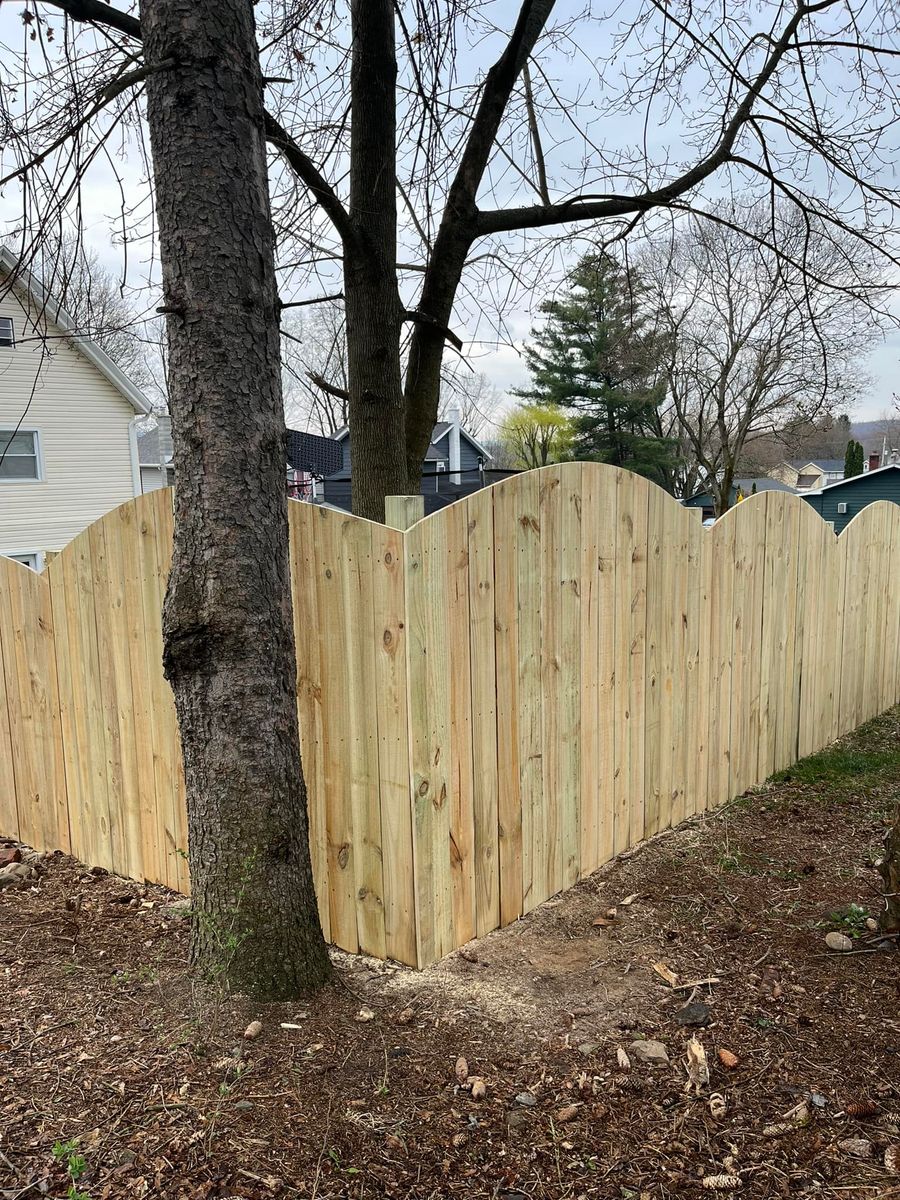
point(763, 484)
point(829, 465)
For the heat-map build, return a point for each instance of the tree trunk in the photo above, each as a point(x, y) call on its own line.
point(229, 651)
point(371, 296)
point(890, 873)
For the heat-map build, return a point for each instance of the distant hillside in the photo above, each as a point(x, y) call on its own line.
point(871, 433)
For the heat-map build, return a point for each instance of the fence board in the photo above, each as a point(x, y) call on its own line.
point(492, 703)
point(307, 623)
point(462, 848)
point(482, 633)
point(509, 780)
point(390, 623)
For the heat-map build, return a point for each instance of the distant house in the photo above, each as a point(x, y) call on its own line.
point(455, 466)
point(740, 490)
point(68, 423)
point(815, 474)
point(839, 503)
point(155, 455)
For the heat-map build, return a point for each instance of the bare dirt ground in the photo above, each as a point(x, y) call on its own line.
point(120, 1076)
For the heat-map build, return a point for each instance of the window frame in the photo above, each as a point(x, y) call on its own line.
point(12, 334)
point(18, 555)
point(38, 455)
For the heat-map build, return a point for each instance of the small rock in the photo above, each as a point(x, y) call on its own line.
point(650, 1051)
point(588, 1049)
point(244, 1105)
point(10, 855)
point(253, 1030)
point(177, 909)
point(858, 1147)
point(526, 1100)
point(98, 871)
point(838, 942)
point(364, 1014)
point(871, 925)
point(693, 1014)
point(13, 874)
point(479, 1089)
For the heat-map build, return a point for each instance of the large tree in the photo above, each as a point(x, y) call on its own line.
point(229, 649)
point(757, 344)
point(600, 355)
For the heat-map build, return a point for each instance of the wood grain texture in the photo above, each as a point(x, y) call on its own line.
point(492, 703)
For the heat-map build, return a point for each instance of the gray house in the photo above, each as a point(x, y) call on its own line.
point(455, 466)
point(155, 454)
point(839, 503)
point(740, 490)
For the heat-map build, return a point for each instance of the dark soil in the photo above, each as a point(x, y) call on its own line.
point(116, 1066)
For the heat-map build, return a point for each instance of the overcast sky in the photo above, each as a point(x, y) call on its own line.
point(102, 207)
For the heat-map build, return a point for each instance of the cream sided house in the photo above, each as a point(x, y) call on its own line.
point(68, 424)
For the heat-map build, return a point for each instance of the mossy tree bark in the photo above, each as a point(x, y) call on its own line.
point(229, 649)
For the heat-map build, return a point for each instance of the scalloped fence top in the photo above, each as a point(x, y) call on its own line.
point(492, 704)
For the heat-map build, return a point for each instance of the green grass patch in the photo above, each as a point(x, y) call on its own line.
point(839, 764)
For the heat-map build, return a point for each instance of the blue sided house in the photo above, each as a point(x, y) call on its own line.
point(838, 503)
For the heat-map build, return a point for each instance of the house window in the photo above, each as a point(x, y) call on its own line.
point(7, 332)
point(32, 558)
point(20, 455)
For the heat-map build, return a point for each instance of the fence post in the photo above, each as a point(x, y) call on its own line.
point(402, 511)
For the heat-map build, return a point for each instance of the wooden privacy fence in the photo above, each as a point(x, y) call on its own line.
point(492, 704)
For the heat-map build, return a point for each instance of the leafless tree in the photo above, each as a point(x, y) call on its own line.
point(314, 362)
point(416, 168)
point(757, 343)
point(421, 170)
point(474, 397)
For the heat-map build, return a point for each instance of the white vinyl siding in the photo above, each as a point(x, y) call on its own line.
point(82, 424)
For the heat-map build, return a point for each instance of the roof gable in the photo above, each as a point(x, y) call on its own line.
point(23, 279)
point(861, 478)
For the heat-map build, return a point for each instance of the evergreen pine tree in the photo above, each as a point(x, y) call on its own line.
point(599, 357)
point(853, 459)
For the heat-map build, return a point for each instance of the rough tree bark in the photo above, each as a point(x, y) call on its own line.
point(229, 651)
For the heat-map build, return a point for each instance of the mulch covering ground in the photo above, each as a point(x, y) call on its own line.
point(119, 1068)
